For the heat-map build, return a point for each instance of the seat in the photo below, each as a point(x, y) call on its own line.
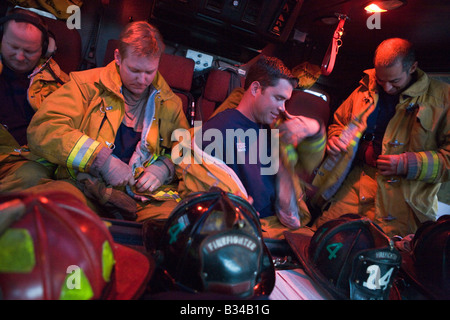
point(109, 53)
point(218, 86)
point(178, 71)
point(68, 44)
point(309, 105)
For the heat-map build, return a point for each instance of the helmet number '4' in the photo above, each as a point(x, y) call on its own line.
point(333, 249)
point(374, 281)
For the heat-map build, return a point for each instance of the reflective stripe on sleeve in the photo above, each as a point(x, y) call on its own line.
point(81, 153)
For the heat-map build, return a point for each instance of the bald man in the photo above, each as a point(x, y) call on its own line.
point(403, 154)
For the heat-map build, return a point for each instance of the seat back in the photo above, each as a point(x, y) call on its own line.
point(306, 104)
point(178, 71)
point(68, 44)
point(218, 86)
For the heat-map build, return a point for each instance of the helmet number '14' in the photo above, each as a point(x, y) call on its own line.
point(375, 281)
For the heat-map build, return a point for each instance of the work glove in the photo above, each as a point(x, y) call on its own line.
point(155, 175)
point(117, 204)
point(113, 171)
point(116, 172)
point(392, 164)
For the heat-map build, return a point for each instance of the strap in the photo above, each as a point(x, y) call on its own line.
point(333, 48)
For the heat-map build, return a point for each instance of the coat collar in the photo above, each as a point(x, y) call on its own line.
point(418, 88)
point(44, 73)
point(110, 78)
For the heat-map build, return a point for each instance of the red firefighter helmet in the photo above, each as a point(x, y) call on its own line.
point(60, 249)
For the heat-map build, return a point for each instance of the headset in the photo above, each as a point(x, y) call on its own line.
point(48, 44)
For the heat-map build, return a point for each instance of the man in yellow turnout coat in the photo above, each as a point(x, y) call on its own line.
point(28, 75)
point(113, 125)
point(399, 153)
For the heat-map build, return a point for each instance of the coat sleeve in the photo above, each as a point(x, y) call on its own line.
point(342, 116)
point(54, 130)
point(311, 152)
point(433, 166)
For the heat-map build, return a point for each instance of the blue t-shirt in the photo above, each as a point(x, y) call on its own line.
point(241, 150)
point(126, 142)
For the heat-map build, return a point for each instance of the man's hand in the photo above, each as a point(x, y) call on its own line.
point(297, 128)
point(116, 173)
point(393, 164)
point(335, 146)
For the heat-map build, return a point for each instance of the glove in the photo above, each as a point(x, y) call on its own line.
point(117, 204)
point(392, 164)
point(154, 176)
point(116, 173)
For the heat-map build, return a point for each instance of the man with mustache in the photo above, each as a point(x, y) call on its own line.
point(403, 154)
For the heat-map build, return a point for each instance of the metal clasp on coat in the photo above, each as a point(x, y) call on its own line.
point(396, 143)
point(110, 145)
point(389, 217)
point(103, 109)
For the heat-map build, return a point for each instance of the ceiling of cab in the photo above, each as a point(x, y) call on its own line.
point(240, 29)
point(424, 22)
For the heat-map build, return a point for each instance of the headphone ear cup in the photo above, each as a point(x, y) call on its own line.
point(51, 46)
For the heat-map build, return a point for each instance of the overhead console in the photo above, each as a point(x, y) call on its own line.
point(235, 29)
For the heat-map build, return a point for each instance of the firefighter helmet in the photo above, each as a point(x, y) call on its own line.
point(350, 257)
point(212, 242)
point(60, 249)
point(427, 265)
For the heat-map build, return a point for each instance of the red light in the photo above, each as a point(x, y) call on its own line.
point(374, 8)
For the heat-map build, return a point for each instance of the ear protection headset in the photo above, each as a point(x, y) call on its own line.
point(48, 43)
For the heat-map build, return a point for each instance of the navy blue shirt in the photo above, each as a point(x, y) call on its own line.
point(241, 152)
point(379, 119)
point(126, 142)
point(15, 111)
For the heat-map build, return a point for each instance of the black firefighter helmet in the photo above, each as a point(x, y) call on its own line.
point(212, 243)
point(427, 265)
point(350, 257)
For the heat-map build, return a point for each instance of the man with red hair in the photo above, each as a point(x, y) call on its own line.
point(111, 127)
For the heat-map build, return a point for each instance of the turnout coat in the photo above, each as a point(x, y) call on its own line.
point(42, 84)
point(421, 129)
point(84, 115)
